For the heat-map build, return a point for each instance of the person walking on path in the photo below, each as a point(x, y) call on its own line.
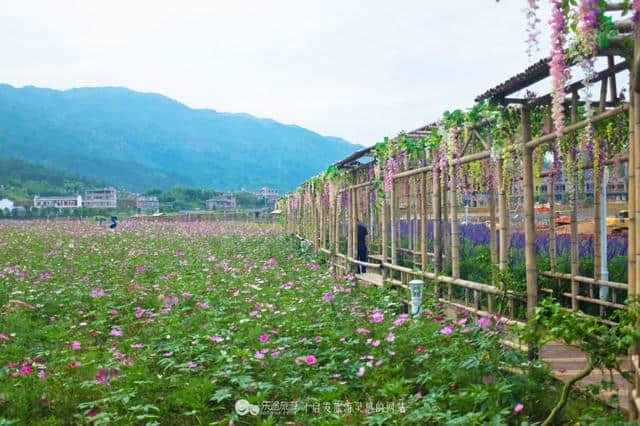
point(363, 242)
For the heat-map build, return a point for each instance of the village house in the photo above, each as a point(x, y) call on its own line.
point(147, 203)
point(268, 194)
point(6, 204)
point(59, 201)
point(225, 203)
point(101, 198)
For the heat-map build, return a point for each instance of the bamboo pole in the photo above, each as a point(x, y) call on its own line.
point(437, 230)
point(356, 212)
point(612, 80)
point(423, 221)
point(552, 225)
point(455, 234)
point(634, 189)
point(503, 218)
point(445, 215)
point(392, 207)
point(529, 218)
point(574, 214)
point(383, 237)
point(597, 190)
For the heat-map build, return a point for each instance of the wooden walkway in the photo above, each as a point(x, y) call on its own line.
point(564, 361)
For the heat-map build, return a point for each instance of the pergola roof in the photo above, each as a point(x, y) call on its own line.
point(533, 74)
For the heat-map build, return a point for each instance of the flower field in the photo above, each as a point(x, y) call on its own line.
point(173, 323)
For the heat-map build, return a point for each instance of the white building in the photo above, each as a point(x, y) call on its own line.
point(100, 198)
point(6, 204)
point(59, 201)
point(271, 195)
point(147, 203)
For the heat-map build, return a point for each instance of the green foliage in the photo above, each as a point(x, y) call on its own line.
point(139, 141)
point(21, 180)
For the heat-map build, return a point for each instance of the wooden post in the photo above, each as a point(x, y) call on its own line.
point(552, 225)
point(597, 192)
point(455, 235)
point(437, 229)
point(573, 202)
point(423, 220)
point(393, 206)
point(503, 216)
point(612, 81)
point(383, 234)
point(529, 218)
point(445, 215)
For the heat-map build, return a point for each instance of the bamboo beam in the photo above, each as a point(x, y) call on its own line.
point(529, 230)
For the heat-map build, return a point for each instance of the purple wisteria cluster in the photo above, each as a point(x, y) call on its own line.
point(533, 32)
point(558, 66)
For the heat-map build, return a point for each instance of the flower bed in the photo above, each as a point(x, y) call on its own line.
point(199, 323)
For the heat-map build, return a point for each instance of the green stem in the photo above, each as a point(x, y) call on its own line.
point(565, 393)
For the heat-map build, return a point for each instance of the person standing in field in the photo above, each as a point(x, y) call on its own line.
point(363, 242)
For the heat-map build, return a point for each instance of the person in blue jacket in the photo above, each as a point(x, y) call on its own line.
point(363, 242)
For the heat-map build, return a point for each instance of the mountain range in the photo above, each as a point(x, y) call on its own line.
point(139, 140)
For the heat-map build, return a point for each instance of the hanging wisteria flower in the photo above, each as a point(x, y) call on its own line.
point(635, 18)
point(531, 12)
point(557, 66)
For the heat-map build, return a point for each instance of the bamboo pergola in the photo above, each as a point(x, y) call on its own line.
point(423, 199)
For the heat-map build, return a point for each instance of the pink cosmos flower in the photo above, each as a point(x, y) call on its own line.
point(376, 343)
point(4, 336)
point(518, 407)
point(361, 371)
point(448, 329)
point(402, 318)
point(484, 323)
point(97, 292)
point(116, 332)
point(74, 364)
point(137, 345)
point(390, 337)
point(85, 279)
point(362, 331)
point(264, 337)
point(191, 364)
point(167, 354)
point(318, 339)
point(202, 305)
point(75, 345)
point(328, 297)
point(420, 349)
point(258, 355)
point(215, 339)
point(287, 285)
point(377, 316)
point(310, 359)
point(253, 313)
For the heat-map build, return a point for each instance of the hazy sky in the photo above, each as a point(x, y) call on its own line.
point(356, 69)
